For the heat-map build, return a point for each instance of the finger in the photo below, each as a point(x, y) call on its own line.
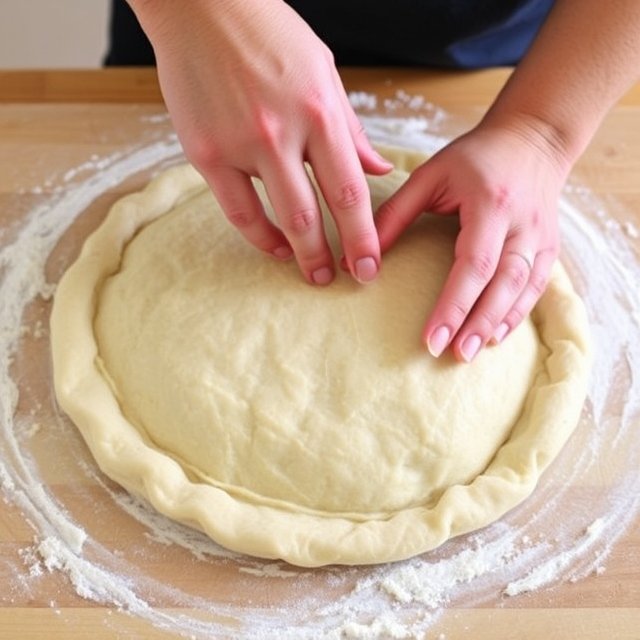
point(298, 214)
point(418, 194)
point(535, 287)
point(370, 160)
point(243, 208)
point(339, 174)
point(510, 279)
point(477, 253)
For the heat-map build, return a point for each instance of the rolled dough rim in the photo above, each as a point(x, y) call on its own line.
point(303, 539)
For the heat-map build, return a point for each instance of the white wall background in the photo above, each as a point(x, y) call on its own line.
point(53, 33)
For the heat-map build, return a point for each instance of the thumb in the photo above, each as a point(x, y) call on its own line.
point(417, 195)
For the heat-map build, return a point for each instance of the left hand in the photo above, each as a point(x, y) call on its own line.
point(504, 182)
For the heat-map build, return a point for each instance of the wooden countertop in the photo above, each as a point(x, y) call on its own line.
point(139, 85)
point(55, 120)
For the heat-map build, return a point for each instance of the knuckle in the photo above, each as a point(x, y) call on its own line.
point(321, 107)
point(536, 218)
point(300, 222)
point(351, 194)
point(515, 317)
point(499, 196)
point(240, 218)
point(202, 152)
point(480, 265)
point(488, 320)
point(457, 312)
point(538, 284)
point(268, 132)
point(502, 197)
point(318, 109)
point(516, 275)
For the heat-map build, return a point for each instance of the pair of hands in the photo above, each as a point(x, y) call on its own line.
point(252, 91)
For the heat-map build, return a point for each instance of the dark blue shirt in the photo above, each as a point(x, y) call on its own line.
point(430, 33)
point(441, 33)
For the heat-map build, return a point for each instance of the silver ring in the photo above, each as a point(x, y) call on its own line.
point(528, 257)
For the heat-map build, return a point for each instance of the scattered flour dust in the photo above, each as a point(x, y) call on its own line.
point(526, 550)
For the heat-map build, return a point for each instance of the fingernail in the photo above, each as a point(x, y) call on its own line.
point(500, 333)
point(366, 269)
point(470, 347)
point(322, 276)
point(282, 253)
point(437, 342)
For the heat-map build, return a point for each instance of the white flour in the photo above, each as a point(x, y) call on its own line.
point(526, 550)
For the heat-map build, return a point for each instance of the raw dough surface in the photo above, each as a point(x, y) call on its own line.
point(295, 422)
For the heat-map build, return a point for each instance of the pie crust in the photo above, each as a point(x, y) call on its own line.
point(296, 422)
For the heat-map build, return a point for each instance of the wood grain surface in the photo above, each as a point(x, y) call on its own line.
point(52, 121)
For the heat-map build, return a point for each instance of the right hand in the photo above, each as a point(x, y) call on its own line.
point(503, 179)
point(252, 91)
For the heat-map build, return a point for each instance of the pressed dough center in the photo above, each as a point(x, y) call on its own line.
point(319, 400)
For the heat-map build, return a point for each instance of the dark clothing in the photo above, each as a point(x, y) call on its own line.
point(128, 45)
point(434, 33)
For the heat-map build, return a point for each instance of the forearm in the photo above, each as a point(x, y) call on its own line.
point(585, 57)
point(158, 17)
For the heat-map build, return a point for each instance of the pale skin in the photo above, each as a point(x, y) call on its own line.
point(252, 91)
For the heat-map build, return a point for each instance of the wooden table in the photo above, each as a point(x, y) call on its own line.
point(50, 121)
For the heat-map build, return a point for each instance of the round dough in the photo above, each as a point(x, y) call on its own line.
point(299, 422)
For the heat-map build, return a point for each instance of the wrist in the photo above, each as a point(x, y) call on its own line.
point(559, 144)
